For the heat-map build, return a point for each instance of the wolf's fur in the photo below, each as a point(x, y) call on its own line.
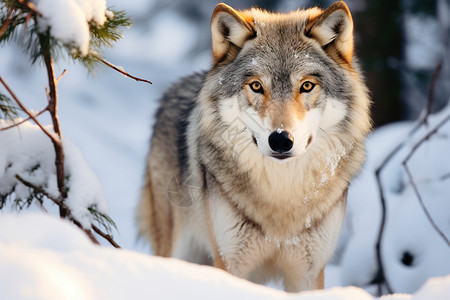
point(259, 214)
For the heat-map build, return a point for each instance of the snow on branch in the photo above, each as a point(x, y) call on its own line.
point(28, 173)
point(29, 170)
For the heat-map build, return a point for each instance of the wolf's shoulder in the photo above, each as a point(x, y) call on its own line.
point(184, 90)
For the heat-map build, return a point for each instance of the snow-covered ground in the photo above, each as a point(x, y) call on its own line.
point(46, 258)
point(109, 118)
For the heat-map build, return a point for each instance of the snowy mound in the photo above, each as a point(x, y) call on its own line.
point(412, 250)
point(46, 258)
point(28, 153)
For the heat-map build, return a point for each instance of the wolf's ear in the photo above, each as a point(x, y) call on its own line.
point(230, 30)
point(333, 29)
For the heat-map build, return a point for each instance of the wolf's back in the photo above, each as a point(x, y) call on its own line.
point(168, 153)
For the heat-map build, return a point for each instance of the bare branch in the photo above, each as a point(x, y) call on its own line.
point(411, 178)
point(422, 204)
point(380, 264)
point(382, 276)
point(23, 121)
point(112, 66)
point(105, 236)
point(60, 76)
point(431, 89)
point(422, 120)
point(426, 137)
point(50, 135)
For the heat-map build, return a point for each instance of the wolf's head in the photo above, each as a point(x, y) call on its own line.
point(289, 79)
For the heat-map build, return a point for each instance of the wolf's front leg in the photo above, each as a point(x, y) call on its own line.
point(238, 247)
point(300, 279)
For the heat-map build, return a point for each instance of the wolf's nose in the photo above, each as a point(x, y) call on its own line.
point(281, 141)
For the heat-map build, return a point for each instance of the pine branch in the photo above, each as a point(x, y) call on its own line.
point(6, 23)
point(61, 205)
point(7, 110)
point(103, 219)
point(110, 32)
point(12, 15)
point(42, 45)
point(31, 7)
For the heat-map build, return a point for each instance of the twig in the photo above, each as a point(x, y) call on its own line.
point(105, 236)
point(23, 121)
point(68, 213)
point(421, 121)
point(31, 7)
point(386, 160)
point(118, 69)
point(434, 79)
point(380, 264)
point(51, 136)
point(61, 205)
point(40, 190)
point(6, 24)
point(60, 76)
point(27, 20)
point(87, 231)
point(411, 178)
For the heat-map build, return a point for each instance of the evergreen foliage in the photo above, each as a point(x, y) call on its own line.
point(19, 21)
point(7, 109)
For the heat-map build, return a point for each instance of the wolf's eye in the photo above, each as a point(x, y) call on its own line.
point(307, 87)
point(256, 87)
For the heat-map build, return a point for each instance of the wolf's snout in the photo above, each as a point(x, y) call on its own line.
point(281, 141)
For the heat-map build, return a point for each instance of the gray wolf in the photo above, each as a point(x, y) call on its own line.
point(250, 162)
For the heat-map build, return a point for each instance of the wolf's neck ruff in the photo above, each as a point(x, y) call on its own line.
point(272, 135)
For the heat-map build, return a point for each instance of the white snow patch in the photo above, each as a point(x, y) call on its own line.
point(308, 222)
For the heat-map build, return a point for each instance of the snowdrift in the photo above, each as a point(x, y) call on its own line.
point(47, 258)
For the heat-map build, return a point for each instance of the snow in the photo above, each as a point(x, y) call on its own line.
point(48, 258)
point(407, 228)
point(68, 20)
point(30, 155)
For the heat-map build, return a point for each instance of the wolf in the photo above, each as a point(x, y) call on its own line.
point(250, 162)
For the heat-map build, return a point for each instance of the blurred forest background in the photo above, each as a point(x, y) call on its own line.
point(400, 43)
